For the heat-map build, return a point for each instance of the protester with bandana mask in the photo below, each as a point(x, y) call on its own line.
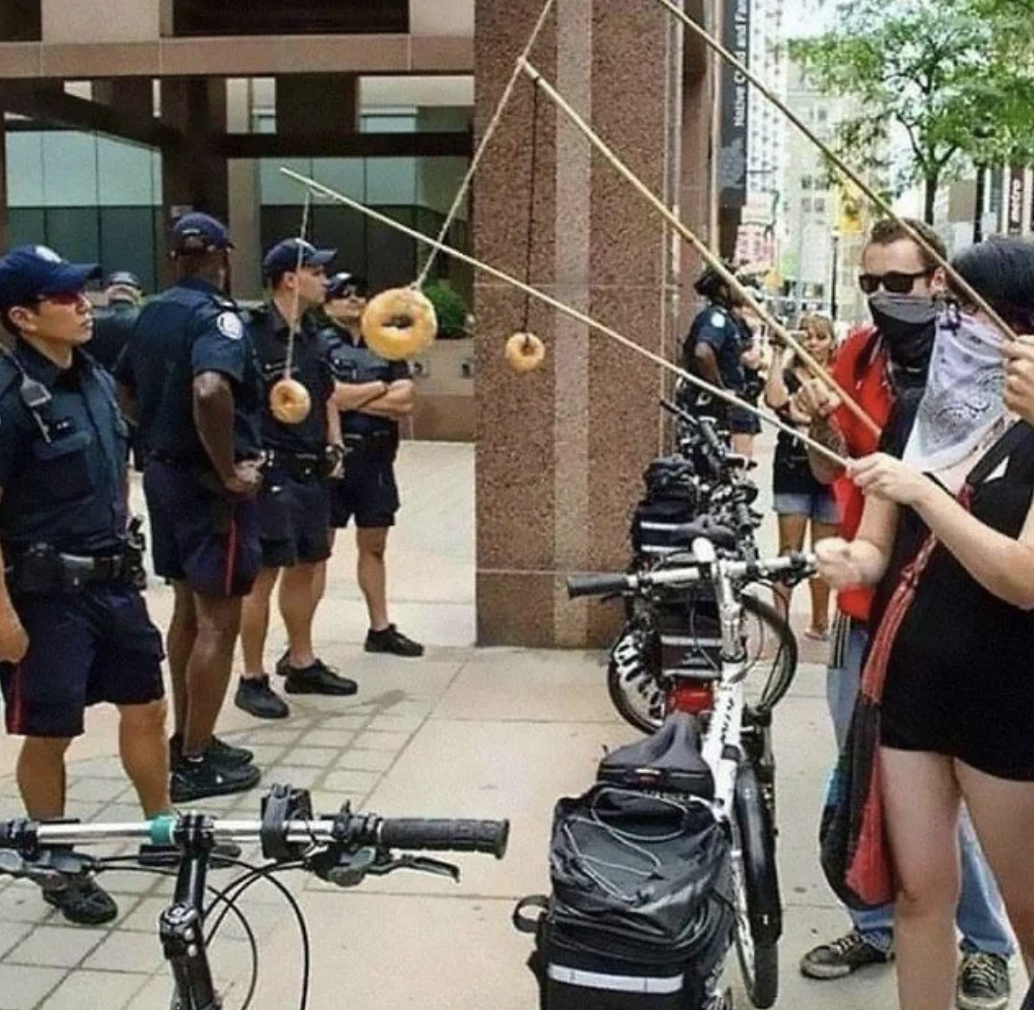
point(884, 367)
point(958, 702)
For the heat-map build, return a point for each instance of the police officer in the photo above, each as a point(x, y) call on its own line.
point(294, 504)
point(373, 394)
point(113, 322)
point(74, 628)
point(189, 377)
point(714, 350)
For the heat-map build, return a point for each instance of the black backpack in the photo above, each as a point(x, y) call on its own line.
point(641, 912)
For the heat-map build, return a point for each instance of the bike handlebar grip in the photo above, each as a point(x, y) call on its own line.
point(744, 520)
point(446, 835)
point(711, 439)
point(595, 585)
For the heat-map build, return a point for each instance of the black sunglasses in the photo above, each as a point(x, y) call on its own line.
point(897, 282)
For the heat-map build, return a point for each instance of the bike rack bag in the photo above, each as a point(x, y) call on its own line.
point(641, 911)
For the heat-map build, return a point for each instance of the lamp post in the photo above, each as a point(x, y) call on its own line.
point(833, 307)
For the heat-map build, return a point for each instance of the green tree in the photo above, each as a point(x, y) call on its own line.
point(954, 78)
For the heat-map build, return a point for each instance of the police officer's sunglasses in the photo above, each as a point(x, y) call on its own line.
point(351, 291)
point(897, 282)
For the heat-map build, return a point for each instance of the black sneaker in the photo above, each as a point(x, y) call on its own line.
point(197, 780)
point(283, 665)
point(392, 641)
point(257, 698)
point(219, 750)
point(166, 856)
point(83, 902)
point(841, 957)
point(983, 982)
point(318, 679)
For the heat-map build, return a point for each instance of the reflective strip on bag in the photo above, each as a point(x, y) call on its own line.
point(663, 985)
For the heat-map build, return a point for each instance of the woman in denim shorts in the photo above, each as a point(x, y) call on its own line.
point(799, 499)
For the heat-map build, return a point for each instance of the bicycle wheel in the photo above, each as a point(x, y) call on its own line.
point(637, 687)
point(759, 911)
point(633, 676)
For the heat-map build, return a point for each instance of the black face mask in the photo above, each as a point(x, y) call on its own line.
point(907, 324)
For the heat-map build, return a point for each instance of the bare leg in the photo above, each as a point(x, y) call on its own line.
point(1003, 816)
point(791, 538)
point(208, 672)
point(372, 574)
point(921, 800)
point(179, 644)
point(41, 776)
point(819, 587)
point(255, 622)
point(145, 754)
point(298, 608)
point(743, 445)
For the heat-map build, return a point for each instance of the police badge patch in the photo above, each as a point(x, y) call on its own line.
point(230, 325)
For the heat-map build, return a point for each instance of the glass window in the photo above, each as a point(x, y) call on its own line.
point(806, 205)
point(274, 17)
point(820, 206)
point(21, 21)
point(69, 169)
point(391, 182)
point(24, 168)
point(126, 175)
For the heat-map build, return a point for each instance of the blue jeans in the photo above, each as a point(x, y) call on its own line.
point(980, 916)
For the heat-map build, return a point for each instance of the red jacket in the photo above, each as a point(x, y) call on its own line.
point(861, 370)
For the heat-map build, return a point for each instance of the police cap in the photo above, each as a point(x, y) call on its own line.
point(123, 279)
point(199, 233)
point(342, 284)
point(291, 254)
point(31, 272)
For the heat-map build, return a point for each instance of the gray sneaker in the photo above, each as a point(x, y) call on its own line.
point(983, 982)
point(841, 957)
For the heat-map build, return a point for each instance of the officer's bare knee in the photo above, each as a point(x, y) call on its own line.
point(45, 748)
point(146, 718)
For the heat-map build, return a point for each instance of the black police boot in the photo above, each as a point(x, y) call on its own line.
point(283, 665)
point(318, 679)
point(257, 698)
point(391, 640)
point(84, 903)
point(219, 750)
point(201, 778)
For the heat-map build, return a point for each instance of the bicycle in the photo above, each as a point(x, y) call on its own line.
point(736, 739)
point(653, 656)
point(341, 850)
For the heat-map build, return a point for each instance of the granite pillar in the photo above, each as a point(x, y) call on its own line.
point(194, 173)
point(561, 451)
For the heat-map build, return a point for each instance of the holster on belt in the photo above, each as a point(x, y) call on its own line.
point(44, 569)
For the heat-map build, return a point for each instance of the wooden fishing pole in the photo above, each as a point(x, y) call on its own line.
point(581, 317)
point(715, 262)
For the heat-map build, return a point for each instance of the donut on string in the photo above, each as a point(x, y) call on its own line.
point(289, 401)
point(525, 352)
point(399, 323)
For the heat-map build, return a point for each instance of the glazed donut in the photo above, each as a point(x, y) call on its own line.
point(525, 352)
point(289, 400)
point(399, 324)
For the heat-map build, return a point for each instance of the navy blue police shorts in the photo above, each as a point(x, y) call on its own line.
point(94, 645)
point(743, 422)
point(294, 520)
point(368, 493)
point(199, 536)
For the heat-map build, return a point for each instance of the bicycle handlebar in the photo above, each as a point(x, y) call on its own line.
point(689, 574)
point(354, 829)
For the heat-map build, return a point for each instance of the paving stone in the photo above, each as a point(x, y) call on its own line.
point(382, 740)
point(21, 902)
point(351, 781)
point(313, 757)
point(133, 952)
point(366, 760)
point(99, 790)
point(329, 738)
point(23, 987)
point(13, 933)
point(300, 778)
point(52, 946)
point(96, 990)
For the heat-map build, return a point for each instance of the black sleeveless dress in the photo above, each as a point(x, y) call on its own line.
point(960, 677)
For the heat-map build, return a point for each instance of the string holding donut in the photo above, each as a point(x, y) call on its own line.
point(289, 400)
point(524, 350)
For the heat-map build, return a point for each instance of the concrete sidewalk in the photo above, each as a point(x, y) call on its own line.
point(462, 732)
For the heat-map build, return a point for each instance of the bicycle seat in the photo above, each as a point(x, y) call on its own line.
point(668, 761)
point(719, 535)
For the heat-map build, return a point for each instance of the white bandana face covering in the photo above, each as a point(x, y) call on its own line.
point(963, 398)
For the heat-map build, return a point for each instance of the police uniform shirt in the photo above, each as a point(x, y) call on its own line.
point(270, 335)
point(354, 363)
point(62, 467)
point(190, 329)
point(717, 328)
point(112, 327)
